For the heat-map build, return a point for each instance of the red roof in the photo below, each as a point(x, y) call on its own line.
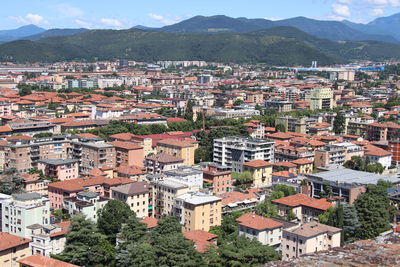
point(150, 221)
point(304, 200)
point(8, 241)
point(302, 161)
point(257, 163)
point(202, 239)
point(38, 260)
point(125, 145)
point(257, 222)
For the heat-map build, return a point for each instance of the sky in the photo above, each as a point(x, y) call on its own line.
point(119, 14)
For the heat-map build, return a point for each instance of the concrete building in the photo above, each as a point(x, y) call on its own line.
point(377, 131)
point(291, 124)
point(12, 249)
point(128, 154)
point(268, 231)
point(281, 105)
point(60, 169)
point(218, 178)
point(180, 149)
point(234, 151)
point(136, 195)
point(188, 175)
point(197, 211)
point(261, 172)
point(49, 239)
point(95, 156)
point(321, 98)
point(24, 210)
point(309, 238)
point(86, 203)
point(162, 162)
point(345, 183)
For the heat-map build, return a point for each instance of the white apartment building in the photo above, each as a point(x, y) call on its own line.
point(187, 175)
point(48, 239)
point(24, 210)
point(234, 151)
point(86, 203)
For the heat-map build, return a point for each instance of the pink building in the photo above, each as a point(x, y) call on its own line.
point(60, 169)
point(128, 154)
point(69, 188)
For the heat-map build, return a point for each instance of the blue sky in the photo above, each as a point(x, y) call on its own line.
point(127, 13)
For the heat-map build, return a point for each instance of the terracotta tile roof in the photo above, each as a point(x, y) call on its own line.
point(87, 135)
point(8, 241)
point(150, 221)
point(18, 137)
point(38, 260)
point(376, 151)
point(314, 228)
point(123, 136)
point(285, 174)
point(64, 228)
point(202, 239)
point(125, 145)
point(279, 135)
point(320, 204)
point(175, 120)
point(175, 142)
point(232, 197)
point(285, 164)
point(164, 158)
point(76, 185)
point(302, 161)
point(5, 129)
point(133, 188)
point(257, 163)
point(293, 200)
point(130, 170)
point(257, 222)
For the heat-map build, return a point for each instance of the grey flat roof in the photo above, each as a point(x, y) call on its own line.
point(58, 161)
point(89, 194)
point(198, 198)
point(27, 196)
point(350, 176)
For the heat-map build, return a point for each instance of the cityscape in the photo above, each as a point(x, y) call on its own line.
point(200, 140)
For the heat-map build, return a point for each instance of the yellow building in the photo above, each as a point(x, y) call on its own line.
point(304, 166)
point(321, 98)
point(12, 249)
point(177, 148)
point(261, 172)
point(136, 195)
point(198, 211)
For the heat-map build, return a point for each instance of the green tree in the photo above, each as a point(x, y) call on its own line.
point(267, 209)
point(85, 246)
point(339, 123)
point(243, 178)
point(111, 218)
point(286, 189)
point(351, 223)
point(11, 182)
point(139, 255)
point(374, 211)
point(238, 102)
point(132, 231)
point(280, 128)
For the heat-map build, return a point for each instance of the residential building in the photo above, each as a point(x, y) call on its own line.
point(377, 131)
point(256, 129)
point(24, 210)
point(162, 162)
point(217, 178)
point(33, 183)
point(95, 155)
point(238, 201)
point(136, 195)
point(234, 151)
point(38, 260)
point(309, 238)
point(49, 239)
point(330, 155)
point(321, 98)
point(177, 148)
point(268, 231)
point(202, 240)
point(86, 203)
point(281, 105)
point(198, 211)
point(12, 249)
point(291, 124)
point(345, 183)
point(128, 154)
point(374, 154)
point(60, 169)
point(188, 175)
point(261, 172)
point(304, 166)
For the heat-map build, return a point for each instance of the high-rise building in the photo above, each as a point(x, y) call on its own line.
point(321, 98)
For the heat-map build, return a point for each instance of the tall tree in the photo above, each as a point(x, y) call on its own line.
point(11, 182)
point(132, 232)
point(111, 218)
point(351, 223)
point(139, 255)
point(339, 123)
point(85, 246)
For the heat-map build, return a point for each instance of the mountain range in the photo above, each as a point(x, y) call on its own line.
point(295, 41)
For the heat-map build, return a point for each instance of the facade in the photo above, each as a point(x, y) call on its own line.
point(234, 151)
point(321, 98)
point(12, 249)
point(128, 154)
point(95, 156)
point(309, 238)
point(60, 169)
point(188, 175)
point(136, 195)
point(24, 210)
point(304, 166)
point(291, 124)
point(330, 155)
point(261, 172)
point(281, 105)
point(377, 131)
point(162, 162)
point(197, 211)
point(86, 203)
point(180, 149)
point(219, 178)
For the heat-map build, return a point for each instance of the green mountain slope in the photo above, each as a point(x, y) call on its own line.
point(275, 46)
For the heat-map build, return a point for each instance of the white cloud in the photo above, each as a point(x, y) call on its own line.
point(112, 22)
point(341, 10)
point(377, 12)
point(84, 23)
point(383, 3)
point(168, 19)
point(66, 10)
point(345, 1)
point(273, 18)
point(29, 19)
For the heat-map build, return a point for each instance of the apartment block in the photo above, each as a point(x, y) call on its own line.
point(309, 238)
point(261, 172)
point(234, 151)
point(95, 155)
point(162, 162)
point(87, 203)
point(60, 169)
point(321, 98)
point(281, 105)
point(12, 249)
point(136, 195)
point(377, 131)
point(188, 175)
point(128, 154)
point(218, 178)
point(197, 211)
point(180, 149)
point(291, 124)
point(24, 210)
